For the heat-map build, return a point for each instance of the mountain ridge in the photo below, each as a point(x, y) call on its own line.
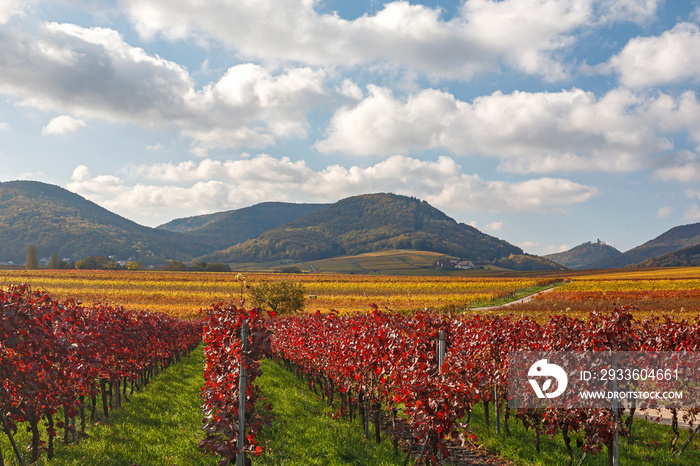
point(57, 220)
point(379, 221)
point(581, 256)
point(674, 239)
point(223, 229)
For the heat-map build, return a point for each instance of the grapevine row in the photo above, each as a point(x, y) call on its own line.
point(224, 358)
point(389, 360)
point(55, 354)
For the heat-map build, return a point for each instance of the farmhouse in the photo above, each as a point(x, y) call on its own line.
point(454, 264)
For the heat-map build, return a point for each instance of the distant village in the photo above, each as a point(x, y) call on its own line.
point(454, 264)
point(66, 261)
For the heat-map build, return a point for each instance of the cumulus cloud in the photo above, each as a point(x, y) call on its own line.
point(529, 132)
point(672, 57)
point(561, 248)
point(527, 245)
point(692, 213)
point(94, 73)
point(683, 166)
point(526, 34)
point(10, 8)
point(494, 226)
point(61, 125)
point(664, 212)
point(207, 185)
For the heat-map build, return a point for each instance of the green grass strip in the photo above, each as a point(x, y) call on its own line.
point(161, 425)
point(650, 447)
point(304, 433)
point(518, 294)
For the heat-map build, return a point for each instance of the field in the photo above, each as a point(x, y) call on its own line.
point(184, 293)
point(674, 292)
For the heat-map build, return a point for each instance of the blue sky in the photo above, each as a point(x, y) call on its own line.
point(544, 122)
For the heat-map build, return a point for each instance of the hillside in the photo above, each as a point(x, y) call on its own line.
point(57, 220)
point(366, 223)
point(224, 229)
point(676, 238)
point(584, 254)
point(682, 258)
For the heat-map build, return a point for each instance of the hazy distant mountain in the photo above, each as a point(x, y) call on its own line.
point(676, 238)
point(584, 254)
point(368, 223)
point(57, 220)
point(224, 229)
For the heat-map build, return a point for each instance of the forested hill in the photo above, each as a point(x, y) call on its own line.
point(584, 254)
point(367, 223)
point(675, 239)
point(224, 229)
point(57, 220)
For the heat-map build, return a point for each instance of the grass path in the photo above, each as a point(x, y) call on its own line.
point(159, 426)
point(304, 433)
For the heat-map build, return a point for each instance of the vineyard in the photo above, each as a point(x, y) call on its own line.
point(417, 371)
point(57, 355)
point(183, 294)
point(657, 292)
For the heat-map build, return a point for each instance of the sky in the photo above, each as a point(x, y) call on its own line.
point(546, 123)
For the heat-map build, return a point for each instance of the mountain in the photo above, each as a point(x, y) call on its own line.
point(224, 229)
point(676, 238)
point(57, 220)
point(685, 257)
point(367, 223)
point(584, 254)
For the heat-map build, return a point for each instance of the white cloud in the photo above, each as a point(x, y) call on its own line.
point(664, 212)
point(526, 34)
point(10, 8)
point(494, 226)
point(4, 126)
point(100, 187)
point(695, 16)
point(351, 90)
point(61, 125)
point(527, 245)
point(638, 11)
point(561, 248)
point(672, 57)
point(683, 166)
point(209, 185)
point(692, 213)
point(529, 132)
point(93, 73)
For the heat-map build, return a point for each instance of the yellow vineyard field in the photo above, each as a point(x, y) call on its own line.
point(186, 293)
point(652, 291)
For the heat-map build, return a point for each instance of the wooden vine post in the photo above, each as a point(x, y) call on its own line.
point(242, 388)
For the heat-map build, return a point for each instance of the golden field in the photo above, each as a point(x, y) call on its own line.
point(184, 294)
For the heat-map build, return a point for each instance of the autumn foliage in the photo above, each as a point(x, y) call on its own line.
point(54, 354)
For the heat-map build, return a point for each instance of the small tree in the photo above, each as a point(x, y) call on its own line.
point(54, 263)
point(217, 267)
point(281, 297)
point(133, 265)
point(32, 258)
